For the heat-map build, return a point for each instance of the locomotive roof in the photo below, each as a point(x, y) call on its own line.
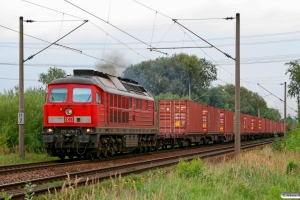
point(107, 82)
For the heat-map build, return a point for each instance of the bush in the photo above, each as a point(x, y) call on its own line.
point(292, 140)
point(277, 145)
point(9, 108)
point(291, 167)
point(190, 169)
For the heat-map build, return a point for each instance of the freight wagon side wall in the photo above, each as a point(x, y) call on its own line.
point(174, 116)
point(254, 125)
point(248, 123)
point(165, 117)
point(267, 125)
point(194, 118)
point(213, 120)
point(262, 128)
point(243, 123)
point(229, 121)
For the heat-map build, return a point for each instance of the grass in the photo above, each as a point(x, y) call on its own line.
point(11, 157)
point(257, 174)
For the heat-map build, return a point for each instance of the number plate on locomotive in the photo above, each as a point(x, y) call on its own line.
point(68, 131)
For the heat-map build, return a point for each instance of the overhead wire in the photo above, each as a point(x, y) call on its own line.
point(153, 28)
point(226, 54)
point(275, 96)
point(51, 9)
point(61, 25)
point(75, 50)
point(30, 57)
point(89, 21)
point(153, 9)
point(108, 23)
point(69, 48)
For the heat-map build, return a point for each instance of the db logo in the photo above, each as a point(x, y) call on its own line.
point(69, 119)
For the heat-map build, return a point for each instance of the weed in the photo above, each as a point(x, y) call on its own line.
point(29, 188)
point(5, 196)
point(277, 145)
point(291, 167)
point(78, 170)
point(190, 169)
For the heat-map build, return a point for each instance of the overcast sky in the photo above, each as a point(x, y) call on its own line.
point(270, 31)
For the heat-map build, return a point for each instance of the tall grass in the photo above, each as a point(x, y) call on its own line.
point(10, 156)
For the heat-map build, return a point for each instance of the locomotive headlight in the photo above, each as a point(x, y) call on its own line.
point(49, 130)
point(68, 111)
point(88, 130)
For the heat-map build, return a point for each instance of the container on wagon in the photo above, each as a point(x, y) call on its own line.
point(212, 116)
point(179, 117)
point(227, 124)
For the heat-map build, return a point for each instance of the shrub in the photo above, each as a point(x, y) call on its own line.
point(291, 167)
point(190, 169)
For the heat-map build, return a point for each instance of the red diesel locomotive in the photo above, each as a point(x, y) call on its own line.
point(96, 114)
point(93, 114)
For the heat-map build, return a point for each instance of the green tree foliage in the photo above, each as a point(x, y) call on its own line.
point(52, 73)
point(9, 106)
point(294, 86)
point(173, 74)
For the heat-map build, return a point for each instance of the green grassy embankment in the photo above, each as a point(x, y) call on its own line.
point(257, 174)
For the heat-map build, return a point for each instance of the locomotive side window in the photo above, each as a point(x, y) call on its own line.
point(136, 104)
point(58, 95)
point(130, 102)
point(82, 95)
point(98, 98)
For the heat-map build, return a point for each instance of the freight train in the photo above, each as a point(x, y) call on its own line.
point(93, 114)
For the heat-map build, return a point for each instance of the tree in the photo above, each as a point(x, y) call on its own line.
point(173, 74)
point(34, 100)
point(294, 86)
point(52, 74)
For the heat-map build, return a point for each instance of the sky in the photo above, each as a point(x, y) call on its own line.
point(122, 31)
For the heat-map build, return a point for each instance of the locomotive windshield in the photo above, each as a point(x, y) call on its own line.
point(58, 95)
point(82, 95)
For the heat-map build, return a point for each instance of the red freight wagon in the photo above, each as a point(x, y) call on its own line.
point(281, 127)
point(267, 124)
point(227, 124)
point(254, 126)
point(211, 120)
point(185, 122)
point(243, 125)
point(261, 126)
point(180, 121)
point(179, 117)
point(272, 127)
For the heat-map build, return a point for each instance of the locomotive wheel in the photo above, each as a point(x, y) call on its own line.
point(89, 156)
point(201, 142)
point(222, 139)
point(61, 157)
point(71, 156)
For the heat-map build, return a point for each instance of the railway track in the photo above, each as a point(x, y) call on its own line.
point(124, 169)
point(18, 168)
point(10, 169)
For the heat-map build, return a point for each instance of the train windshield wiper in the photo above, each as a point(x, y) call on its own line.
point(88, 98)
